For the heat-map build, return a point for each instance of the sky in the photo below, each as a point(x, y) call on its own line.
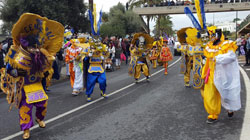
point(181, 20)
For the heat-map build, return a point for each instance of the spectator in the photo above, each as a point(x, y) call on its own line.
point(118, 51)
point(243, 46)
point(59, 60)
point(124, 47)
point(247, 48)
point(128, 42)
point(1, 56)
point(238, 43)
point(111, 50)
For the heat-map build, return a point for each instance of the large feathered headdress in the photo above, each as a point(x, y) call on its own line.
point(199, 5)
point(197, 34)
point(34, 30)
point(91, 18)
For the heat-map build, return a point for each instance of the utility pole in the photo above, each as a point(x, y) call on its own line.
point(91, 5)
point(148, 26)
point(236, 24)
point(213, 19)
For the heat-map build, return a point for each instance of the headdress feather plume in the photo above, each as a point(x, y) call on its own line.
point(199, 5)
point(188, 12)
point(92, 23)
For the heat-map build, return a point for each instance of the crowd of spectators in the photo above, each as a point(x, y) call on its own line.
point(189, 2)
point(4, 48)
point(243, 44)
point(117, 48)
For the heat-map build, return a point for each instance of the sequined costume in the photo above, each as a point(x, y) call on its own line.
point(155, 52)
point(140, 46)
point(73, 57)
point(36, 41)
point(93, 67)
point(192, 52)
point(94, 58)
point(165, 56)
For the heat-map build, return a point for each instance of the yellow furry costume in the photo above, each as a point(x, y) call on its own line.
point(141, 44)
point(212, 97)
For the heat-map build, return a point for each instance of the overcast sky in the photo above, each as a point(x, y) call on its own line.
point(179, 21)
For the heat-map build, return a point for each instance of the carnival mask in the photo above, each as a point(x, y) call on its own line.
point(141, 41)
point(30, 43)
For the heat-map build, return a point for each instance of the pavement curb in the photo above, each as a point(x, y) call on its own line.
point(246, 122)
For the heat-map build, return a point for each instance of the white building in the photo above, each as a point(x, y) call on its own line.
point(227, 25)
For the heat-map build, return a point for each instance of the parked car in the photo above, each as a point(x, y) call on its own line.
point(176, 53)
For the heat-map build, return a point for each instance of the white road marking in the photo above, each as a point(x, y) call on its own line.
point(85, 105)
point(247, 69)
point(246, 122)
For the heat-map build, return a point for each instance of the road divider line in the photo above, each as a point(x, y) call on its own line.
point(85, 105)
point(246, 122)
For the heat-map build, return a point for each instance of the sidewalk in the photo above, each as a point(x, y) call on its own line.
point(242, 62)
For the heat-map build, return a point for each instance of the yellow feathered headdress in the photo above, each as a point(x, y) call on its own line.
point(181, 34)
point(47, 34)
point(149, 40)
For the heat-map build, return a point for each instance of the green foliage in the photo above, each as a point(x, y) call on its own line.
point(120, 22)
point(105, 17)
point(133, 22)
point(226, 33)
point(67, 12)
point(236, 19)
point(163, 24)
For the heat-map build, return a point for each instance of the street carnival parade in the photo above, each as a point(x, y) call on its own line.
point(158, 85)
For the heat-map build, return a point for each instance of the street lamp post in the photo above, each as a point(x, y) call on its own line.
point(91, 5)
point(236, 24)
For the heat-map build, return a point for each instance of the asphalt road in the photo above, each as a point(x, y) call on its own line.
point(160, 110)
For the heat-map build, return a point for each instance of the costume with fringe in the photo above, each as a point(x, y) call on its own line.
point(73, 58)
point(142, 43)
point(94, 59)
point(220, 72)
point(21, 80)
point(155, 52)
point(165, 57)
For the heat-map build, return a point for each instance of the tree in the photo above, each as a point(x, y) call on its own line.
point(163, 24)
point(120, 22)
point(105, 17)
point(67, 12)
point(226, 33)
point(236, 19)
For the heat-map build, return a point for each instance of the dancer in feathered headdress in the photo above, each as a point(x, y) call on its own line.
point(155, 52)
point(165, 55)
point(73, 58)
point(192, 44)
point(36, 41)
point(139, 49)
point(221, 72)
point(222, 76)
point(93, 66)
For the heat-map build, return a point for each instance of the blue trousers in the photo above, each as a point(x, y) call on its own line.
point(92, 78)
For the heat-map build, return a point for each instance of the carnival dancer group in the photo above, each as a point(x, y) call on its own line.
point(37, 40)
